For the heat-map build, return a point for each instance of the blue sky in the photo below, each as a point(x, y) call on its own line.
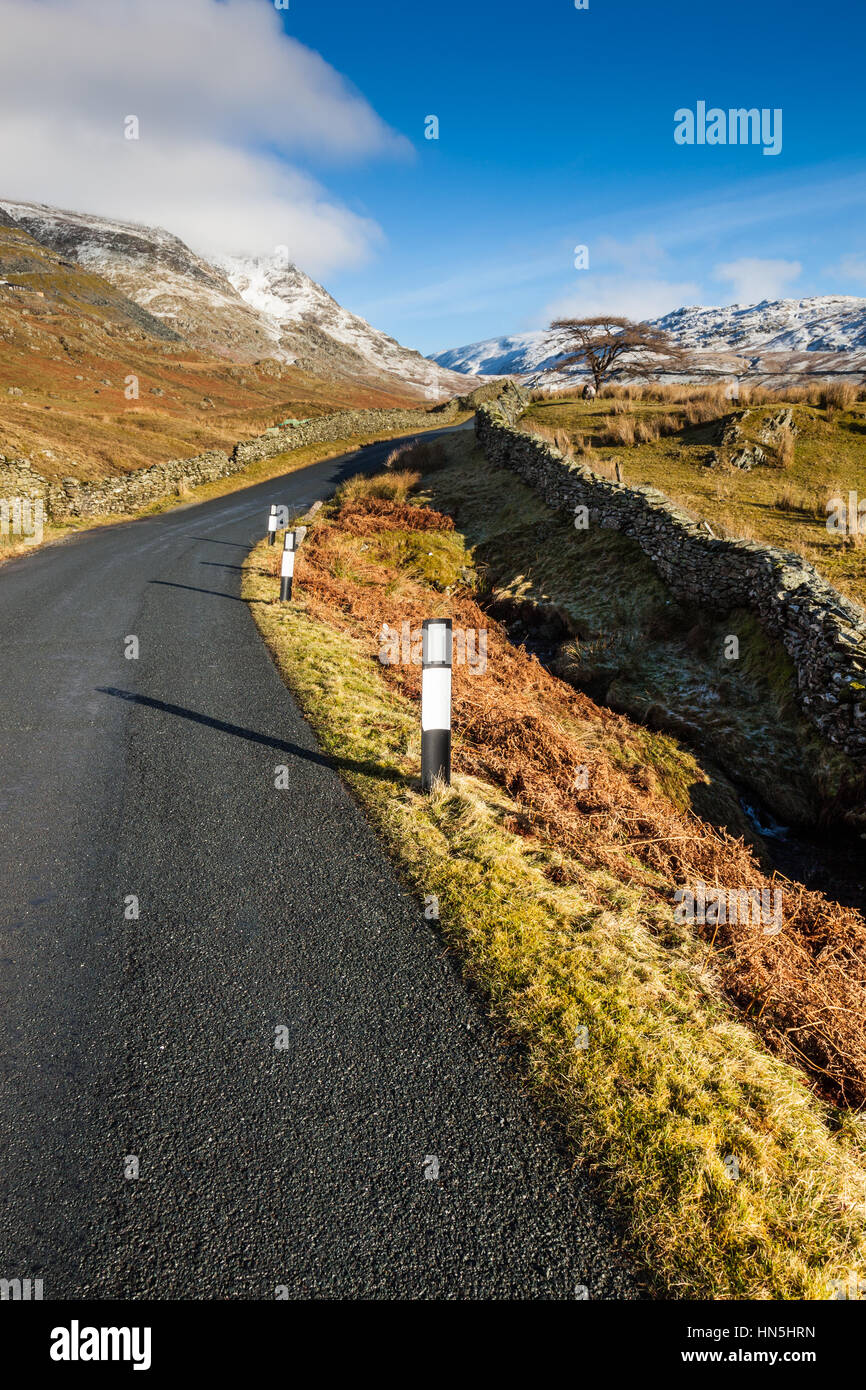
point(305, 128)
point(556, 128)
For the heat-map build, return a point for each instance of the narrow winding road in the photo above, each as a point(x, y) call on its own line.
point(153, 1038)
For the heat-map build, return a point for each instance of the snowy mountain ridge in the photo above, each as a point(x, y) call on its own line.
point(784, 336)
point(241, 308)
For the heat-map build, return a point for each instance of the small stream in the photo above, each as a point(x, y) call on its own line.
point(830, 861)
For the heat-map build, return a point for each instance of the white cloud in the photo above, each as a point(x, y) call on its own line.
point(851, 268)
point(631, 284)
point(753, 279)
point(634, 297)
point(225, 100)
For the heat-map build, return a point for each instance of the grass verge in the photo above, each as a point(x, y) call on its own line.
point(623, 638)
point(560, 933)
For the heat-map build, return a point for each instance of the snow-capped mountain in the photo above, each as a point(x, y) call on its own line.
point(156, 270)
point(300, 310)
point(826, 323)
point(778, 337)
point(520, 353)
point(241, 309)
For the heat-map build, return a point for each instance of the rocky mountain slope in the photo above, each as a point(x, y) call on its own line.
point(314, 329)
point(94, 384)
point(243, 310)
point(780, 338)
point(825, 323)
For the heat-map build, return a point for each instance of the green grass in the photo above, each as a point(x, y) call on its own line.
point(637, 650)
point(782, 506)
point(673, 1082)
point(436, 558)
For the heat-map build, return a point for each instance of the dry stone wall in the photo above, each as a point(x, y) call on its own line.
point(73, 498)
point(823, 633)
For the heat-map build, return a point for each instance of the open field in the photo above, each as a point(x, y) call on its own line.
point(671, 438)
point(702, 1045)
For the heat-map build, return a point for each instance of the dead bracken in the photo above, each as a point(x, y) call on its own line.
point(804, 989)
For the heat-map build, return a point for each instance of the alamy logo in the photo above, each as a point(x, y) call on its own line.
point(20, 1290)
point(19, 516)
point(851, 1288)
point(77, 1343)
point(736, 126)
point(710, 906)
point(846, 519)
point(406, 647)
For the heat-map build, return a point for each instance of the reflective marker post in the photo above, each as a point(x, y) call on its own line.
point(435, 702)
point(272, 524)
point(287, 567)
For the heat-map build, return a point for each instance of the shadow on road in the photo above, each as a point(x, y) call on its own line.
point(215, 593)
point(236, 545)
point(369, 769)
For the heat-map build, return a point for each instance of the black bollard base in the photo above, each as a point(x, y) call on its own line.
point(435, 757)
point(285, 588)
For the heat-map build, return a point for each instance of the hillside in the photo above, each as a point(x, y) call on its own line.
point(825, 335)
point(310, 327)
point(88, 305)
point(765, 470)
point(241, 308)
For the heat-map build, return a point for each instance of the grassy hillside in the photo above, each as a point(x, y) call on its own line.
point(593, 604)
point(68, 343)
point(672, 439)
point(685, 1064)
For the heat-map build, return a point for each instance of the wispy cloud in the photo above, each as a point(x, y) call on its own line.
point(228, 105)
point(641, 253)
point(635, 297)
point(476, 287)
point(753, 279)
point(850, 268)
point(748, 206)
point(667, 264)
point(625, 277)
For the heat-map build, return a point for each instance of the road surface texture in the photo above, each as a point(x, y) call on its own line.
point(151, 1040)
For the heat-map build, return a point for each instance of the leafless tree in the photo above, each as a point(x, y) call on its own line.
point(608, 346)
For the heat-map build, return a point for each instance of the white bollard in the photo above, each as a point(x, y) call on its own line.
point(272, 524)
point(287, 567)
point(436, 650)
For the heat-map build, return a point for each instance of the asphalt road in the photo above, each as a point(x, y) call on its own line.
point(300, 1168)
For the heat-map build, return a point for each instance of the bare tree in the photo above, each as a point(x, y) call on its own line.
point(608, 346)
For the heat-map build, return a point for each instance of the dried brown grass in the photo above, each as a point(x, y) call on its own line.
point(785, 447)
point(702, 409)
point(559, 438)
point(837, 395)
point(523, 729)
point(618, 430)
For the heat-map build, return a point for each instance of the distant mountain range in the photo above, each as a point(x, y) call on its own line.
point(776, 338)
point(237, 308)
